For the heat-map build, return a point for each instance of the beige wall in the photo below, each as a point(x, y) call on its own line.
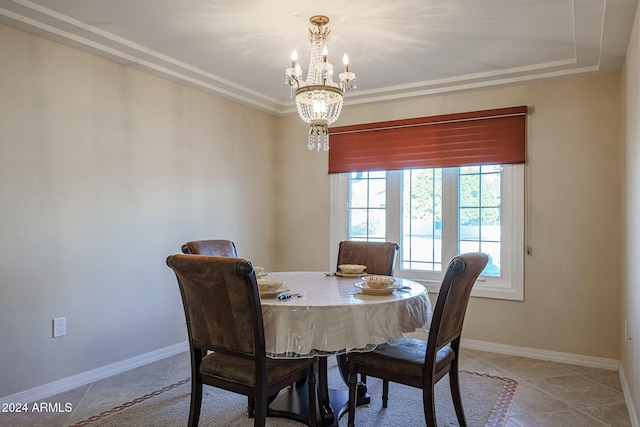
point(572, 279)
point(630, 295)
point(104, 171)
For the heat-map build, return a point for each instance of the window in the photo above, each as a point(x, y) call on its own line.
point(435, 213)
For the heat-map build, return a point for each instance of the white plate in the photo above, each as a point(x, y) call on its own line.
point(341, 274)
point(371, 291)
point(272, 294)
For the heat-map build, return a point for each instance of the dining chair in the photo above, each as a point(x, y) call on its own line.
point(211, 248)
point(226, 335)
point(379, 257)
point(216, 247)
point(420, 363)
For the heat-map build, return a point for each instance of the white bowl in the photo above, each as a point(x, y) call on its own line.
point(269, 285)
point(379, 282)
point(352, 268)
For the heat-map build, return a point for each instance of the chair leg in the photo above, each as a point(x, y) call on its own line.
point(454, 385)
point(428, 401)
point(311, 384)
point(260, 411)
point(196, 402)
point(385, 393)
point(251, 407)
point(353, 386)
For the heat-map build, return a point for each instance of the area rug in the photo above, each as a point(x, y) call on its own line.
point(487, 400)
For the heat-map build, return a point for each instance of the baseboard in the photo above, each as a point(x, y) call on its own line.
point(633, 414)
point(69, 383)
point(532, 353)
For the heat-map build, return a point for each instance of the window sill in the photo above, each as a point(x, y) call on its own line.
point(480, 290)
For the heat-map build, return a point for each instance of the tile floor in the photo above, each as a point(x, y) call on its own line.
point(549, 393)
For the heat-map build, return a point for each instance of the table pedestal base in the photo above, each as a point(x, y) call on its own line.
point(294, 405)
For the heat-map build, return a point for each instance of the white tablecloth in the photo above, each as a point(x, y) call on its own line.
point(334, 317)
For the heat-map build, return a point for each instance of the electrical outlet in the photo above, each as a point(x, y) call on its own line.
point(59, 327)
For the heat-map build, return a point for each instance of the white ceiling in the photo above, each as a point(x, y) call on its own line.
point(398, 48)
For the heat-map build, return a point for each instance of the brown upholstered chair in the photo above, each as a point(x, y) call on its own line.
point(379, 257)
point(422, 364)
point(222, 308)
point(216, 247)
point(211, 248)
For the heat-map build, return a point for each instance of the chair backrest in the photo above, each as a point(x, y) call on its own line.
point(453, 298)
point(379, 257)
point(221, 304)
point(211, 248)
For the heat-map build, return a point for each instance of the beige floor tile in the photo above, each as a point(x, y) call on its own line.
point(55, 418)
point(179, 369)
point(614, 415)
point(578, 391)
point(530, 400)
point(118, 389)
point(524, 368)
point(571, 418)
point(606, 377)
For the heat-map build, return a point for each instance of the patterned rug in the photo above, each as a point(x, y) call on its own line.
point(487, 400)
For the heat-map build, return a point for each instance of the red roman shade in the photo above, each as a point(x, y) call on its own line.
point(473, 138)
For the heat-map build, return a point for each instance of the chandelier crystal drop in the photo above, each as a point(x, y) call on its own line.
point(318, 98)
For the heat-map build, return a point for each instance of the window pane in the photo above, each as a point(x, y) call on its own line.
point(422, 219)
point(493, 251)
point(469, 223)
point(469, 246)
point(469, 190)
point(491, 168)
point(358, 191)
point(358, 225)
point(469, 169)
point(378, 174)
point(491, 224)
point(377, 224)
point(490, 189)
point(377, 193)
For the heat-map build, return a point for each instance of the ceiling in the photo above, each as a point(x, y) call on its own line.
point(402, 48)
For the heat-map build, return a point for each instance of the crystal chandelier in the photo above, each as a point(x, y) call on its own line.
point(318, 98)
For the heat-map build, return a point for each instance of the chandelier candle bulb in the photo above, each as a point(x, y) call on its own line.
point(294, 59)
point(345, 61)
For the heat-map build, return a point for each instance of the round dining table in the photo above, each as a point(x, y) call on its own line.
point(328, 314)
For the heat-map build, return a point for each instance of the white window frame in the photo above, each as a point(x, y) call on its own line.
point(509, 286)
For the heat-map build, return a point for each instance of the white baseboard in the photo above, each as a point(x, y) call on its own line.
point(532, 353)
point(69, 383)
point(633, 414)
